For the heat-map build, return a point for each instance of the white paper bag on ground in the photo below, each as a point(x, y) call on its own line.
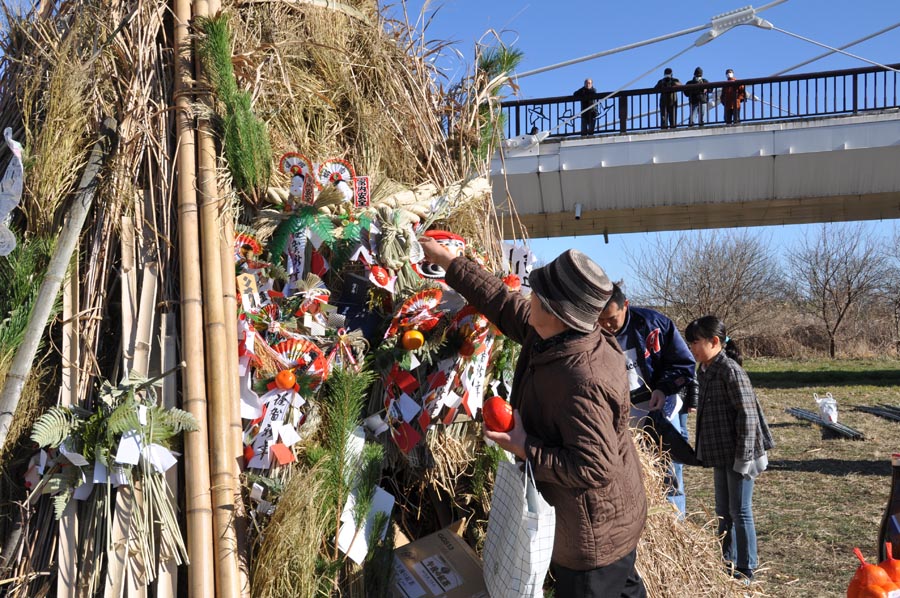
point(519, 540)
point(828, 409)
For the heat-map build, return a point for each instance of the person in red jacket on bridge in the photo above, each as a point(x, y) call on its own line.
point(732, 96)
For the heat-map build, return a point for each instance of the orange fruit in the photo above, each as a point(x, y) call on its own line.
point(412, 340)
point(497, 414)
point(285, 379)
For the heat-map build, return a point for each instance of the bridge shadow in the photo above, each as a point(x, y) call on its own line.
point(789, 379)
point(835, 467)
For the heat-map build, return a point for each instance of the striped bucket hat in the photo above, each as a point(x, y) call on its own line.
point(573, 288)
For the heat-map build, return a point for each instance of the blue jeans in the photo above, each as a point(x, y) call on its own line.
point(675, 477)
point(734, 508)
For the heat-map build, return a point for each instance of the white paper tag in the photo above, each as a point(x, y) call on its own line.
point(161, 458)
point(256, 491)
point(375, 425)
point(409, 408)
point(289, 435)
point(353, 542)
point(129, 448)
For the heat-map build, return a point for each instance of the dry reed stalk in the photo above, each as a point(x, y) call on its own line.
point(452, 457)
point(677, 553)
point(55, 92)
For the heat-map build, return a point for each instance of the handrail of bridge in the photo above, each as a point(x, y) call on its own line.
point(788, 97)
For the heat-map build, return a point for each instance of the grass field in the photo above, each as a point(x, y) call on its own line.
point(820, 497)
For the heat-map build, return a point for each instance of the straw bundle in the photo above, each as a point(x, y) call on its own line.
point(334, 85)
point(285, 562)
point(677, 553)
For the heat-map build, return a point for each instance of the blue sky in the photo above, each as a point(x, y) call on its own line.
point(552, 32)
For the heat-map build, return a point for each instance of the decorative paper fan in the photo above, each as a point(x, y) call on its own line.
point(271, 311)
point(416, 312)
point(338, 173)
point(298, 167)
point(298, 352)
point(307, 357)
point(473, 328)
point(246, 246)
point(470, 323)
point(313, 293)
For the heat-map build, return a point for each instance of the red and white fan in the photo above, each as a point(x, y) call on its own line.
point(306, 357)
point(299, 168)
point(416, 312)
point(337, 173)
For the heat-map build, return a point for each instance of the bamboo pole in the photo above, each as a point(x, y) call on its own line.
point(59, 262)
point(223, 481)
point(201, 572)
point(229, 298)
point(121, 560)
point(128, 290)
point(67, 563)
point(167, 574)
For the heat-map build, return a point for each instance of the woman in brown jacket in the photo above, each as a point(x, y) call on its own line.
point(570, 393)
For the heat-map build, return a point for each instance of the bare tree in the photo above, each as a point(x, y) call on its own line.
point(712, 272)
point(832, 270)
point(891, 286)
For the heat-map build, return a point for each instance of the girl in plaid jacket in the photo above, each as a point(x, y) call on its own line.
point(732, 438)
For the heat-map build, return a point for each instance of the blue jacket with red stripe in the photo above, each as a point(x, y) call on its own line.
point(663, 357)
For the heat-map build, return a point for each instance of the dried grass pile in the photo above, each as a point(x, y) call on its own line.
point(677, 553)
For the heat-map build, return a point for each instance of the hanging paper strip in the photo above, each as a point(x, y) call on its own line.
point(10, 192)
point(296, 260)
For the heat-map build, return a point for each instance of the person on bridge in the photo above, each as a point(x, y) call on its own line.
point(659, 365)
point(697, 98)
point(668, 99)
point(732, 96)
point(732, 437)
point(588, 97)
point(570, 397)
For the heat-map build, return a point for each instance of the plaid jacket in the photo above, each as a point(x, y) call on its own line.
point(730, 422)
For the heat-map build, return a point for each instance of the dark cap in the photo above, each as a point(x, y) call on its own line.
point(573, 288)
point(698, 72)
point(668, 71)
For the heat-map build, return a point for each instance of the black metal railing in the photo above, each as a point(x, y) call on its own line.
point(809, 95)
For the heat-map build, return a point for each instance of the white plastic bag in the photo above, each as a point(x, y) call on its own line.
point(828, 409)
point(519, 540)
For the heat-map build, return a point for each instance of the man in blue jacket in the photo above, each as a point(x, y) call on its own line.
point(659, 365)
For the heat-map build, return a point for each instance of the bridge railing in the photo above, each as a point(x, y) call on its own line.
point(809, 95)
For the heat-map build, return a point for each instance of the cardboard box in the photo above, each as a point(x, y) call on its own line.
point(441, 564)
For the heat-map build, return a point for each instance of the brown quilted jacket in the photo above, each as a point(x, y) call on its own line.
point(573, 399)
